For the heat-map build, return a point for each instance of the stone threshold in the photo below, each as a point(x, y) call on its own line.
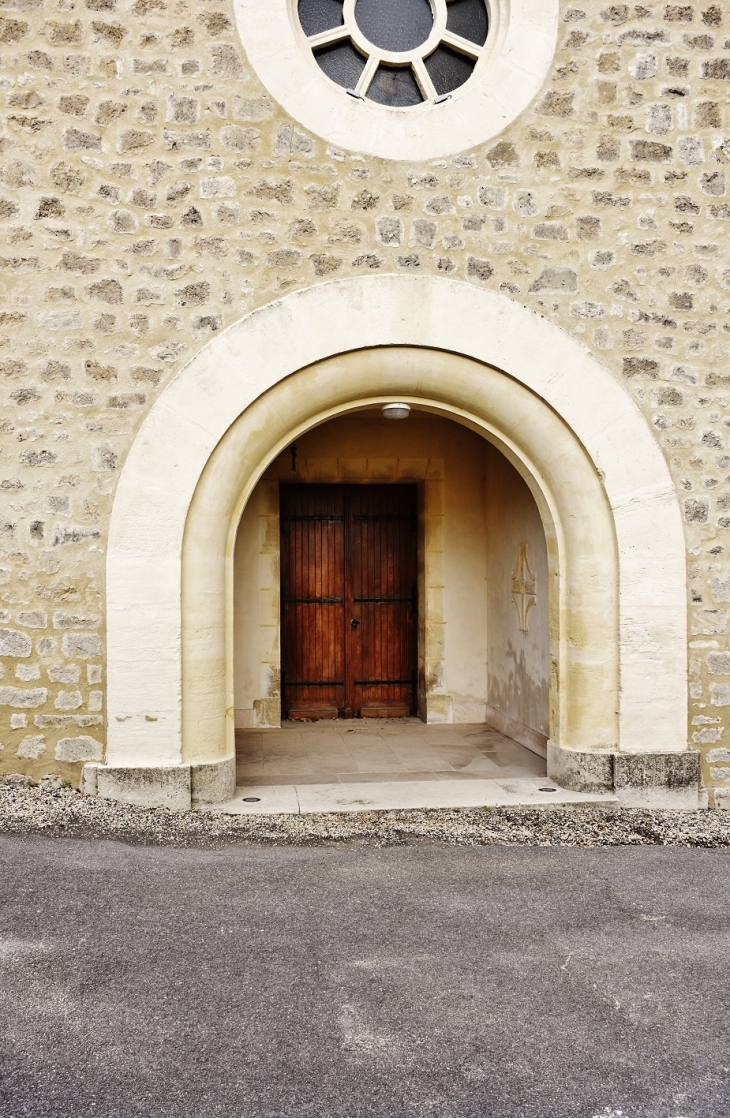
point(305, 799)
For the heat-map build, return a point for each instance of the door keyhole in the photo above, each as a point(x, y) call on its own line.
point(354, 623)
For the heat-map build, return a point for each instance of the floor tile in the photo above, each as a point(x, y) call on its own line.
point(377, 765)
point(375, 777)
point(249, 754)
point(247, 771)
point(289, 771)
point(261, 800)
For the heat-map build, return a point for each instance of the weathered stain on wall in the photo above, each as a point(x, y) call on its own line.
point(151, 193)
point(518, 661)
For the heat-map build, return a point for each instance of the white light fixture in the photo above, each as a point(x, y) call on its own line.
point(396, 411)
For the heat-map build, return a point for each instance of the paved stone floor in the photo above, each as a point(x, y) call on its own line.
point(376, 764)
point(361, 982)
point(390, 749)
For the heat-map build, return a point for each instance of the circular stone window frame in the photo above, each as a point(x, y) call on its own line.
point(510, 71)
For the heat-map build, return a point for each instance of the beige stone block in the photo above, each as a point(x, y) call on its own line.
point(439, 708)
point(21, 697)
point(352, 469)
point(280, 469)
point(411, 469)
point(381, 469)
point(468, 710)
point(435, 632)
point(162, 786)
point(213, 783)
point(435, 529)
point(81, 748)
point(269, 644)
point(434, 673)
point(31, 747)
point(68, 700)
point(269, 570)
point(322, 469)
point(435, 469)
point(268, 494)
point(267, 712)
point(270, 533)
point(434, 605)
point(433, 498)
point(268, 602)
point(14, 643)
point(269, 681)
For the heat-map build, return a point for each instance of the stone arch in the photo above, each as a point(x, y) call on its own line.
point(602, 485)
point(583, 610)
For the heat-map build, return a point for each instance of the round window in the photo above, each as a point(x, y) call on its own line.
point(396, 52)
point(402, 79)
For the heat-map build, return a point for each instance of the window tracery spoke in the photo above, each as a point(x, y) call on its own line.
point(325, 38)
point(463, 46)
point(428, 89)
point(367, 75)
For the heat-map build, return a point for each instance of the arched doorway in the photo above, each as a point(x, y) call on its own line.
point(607, 504)
point(386, 569)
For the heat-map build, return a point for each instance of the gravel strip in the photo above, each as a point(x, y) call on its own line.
point(48, 808)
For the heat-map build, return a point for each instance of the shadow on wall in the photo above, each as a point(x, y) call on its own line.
point(521, 691)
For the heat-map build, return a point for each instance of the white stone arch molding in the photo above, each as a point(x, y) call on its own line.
point(509, 73)
point(509, 354)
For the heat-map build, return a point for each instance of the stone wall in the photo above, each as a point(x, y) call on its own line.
point(151, 193)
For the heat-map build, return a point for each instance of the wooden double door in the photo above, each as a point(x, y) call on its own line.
point(348, 600)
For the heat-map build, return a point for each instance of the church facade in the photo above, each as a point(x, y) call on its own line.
point(363, 363)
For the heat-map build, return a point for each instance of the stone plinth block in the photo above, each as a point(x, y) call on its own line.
point(646, 780)
point(580, 770)
point(667, 780)
point(213, 782)
point(174, 786)
point(158, 786)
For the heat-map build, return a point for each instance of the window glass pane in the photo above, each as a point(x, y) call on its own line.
point(395, 85)
point(467, 18)
point(319, 15)
point(342, 63)
point(448, 69)
point(395, 24)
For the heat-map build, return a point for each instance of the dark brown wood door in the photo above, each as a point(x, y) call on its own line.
point(348, 600)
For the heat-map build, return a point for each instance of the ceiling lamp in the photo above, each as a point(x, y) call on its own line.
point(396, 411)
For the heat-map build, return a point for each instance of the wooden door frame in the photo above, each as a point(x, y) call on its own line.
point(433, 702)
point(419, 630)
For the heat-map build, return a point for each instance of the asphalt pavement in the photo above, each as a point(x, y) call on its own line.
point(351, 980)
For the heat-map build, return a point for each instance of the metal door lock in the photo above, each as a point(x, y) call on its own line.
point(354, 623)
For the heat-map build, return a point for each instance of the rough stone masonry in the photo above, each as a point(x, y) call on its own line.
point(151, 193)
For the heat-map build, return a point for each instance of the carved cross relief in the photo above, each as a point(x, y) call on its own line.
point(523, 588)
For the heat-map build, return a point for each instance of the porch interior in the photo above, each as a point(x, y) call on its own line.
point(359, 751)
